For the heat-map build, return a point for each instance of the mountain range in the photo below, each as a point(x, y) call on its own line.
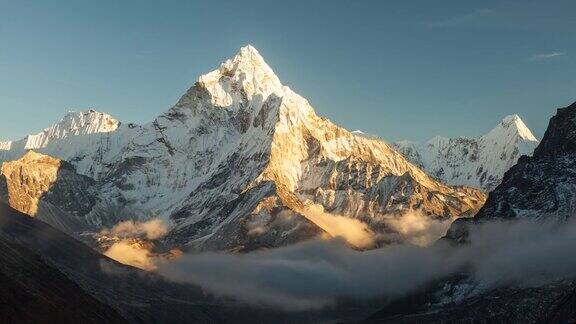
point(240, 162)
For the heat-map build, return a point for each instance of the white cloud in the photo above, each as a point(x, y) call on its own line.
point(546, 56)
point(152, 229)
point(352, 230)
point(133, 243)
point(134, 254)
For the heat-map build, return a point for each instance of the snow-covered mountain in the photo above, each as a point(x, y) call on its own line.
point(476, 162)
point(241, 162)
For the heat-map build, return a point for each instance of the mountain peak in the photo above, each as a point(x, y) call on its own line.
point(72, 124)
point(511, 119)
point(512, 125)
point(540, 187)
point(249, 52)
point(243, 76)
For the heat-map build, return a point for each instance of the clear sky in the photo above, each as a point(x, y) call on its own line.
point(398, 69)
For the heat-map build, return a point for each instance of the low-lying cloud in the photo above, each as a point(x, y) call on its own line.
point(133, 254)
point(352, 230)
point(308, 275)
point(318, 273)
point(133, 243)
point(152, 229)
point(416, 228)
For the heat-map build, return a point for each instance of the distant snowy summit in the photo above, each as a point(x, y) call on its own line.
point(476, 162)
point(73, 124)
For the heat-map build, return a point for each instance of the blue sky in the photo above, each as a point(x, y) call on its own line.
point(398, 69)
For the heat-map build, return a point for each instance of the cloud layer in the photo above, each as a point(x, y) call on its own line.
point(316, 274)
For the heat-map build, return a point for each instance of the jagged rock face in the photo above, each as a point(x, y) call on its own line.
point(241, 160)
point(476, 162)
point(258, 218)
point(47, 188)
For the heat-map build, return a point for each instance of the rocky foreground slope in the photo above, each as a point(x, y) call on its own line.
point(239, 163)
point(58, 271)
point(476, 162)
point(33, 291)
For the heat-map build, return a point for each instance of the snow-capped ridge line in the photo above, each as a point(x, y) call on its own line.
point(73, 123)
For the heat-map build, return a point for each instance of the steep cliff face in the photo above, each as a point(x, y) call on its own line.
point(475, 162)
point(242, 162)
